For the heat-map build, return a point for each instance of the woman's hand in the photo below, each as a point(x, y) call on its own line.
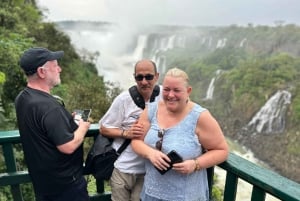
point(159, 159)
point(185, 167)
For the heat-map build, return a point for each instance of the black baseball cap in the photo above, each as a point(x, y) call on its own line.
point(37, 57)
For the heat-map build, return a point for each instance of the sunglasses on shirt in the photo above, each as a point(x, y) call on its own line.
point(140, 77)
point(160, 135)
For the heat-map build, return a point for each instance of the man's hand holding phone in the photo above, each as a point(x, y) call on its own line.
point(82, 114)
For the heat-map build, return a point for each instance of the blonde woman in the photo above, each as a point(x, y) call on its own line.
point(178, 124)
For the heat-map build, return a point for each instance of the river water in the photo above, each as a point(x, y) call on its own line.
point(244, 189)
point(119, 68)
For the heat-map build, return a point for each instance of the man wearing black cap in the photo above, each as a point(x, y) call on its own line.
point(51, 140)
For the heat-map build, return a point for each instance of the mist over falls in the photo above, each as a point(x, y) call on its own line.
point(120, 47)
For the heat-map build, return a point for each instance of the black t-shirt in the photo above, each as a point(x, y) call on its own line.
point(44, 124)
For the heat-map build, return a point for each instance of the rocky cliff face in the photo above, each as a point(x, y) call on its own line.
point(273, 150)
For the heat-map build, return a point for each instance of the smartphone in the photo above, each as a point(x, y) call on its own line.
point(82, 114)
point(174, 157)
point(86, 114)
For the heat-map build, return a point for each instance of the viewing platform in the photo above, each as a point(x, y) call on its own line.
point(263, 181)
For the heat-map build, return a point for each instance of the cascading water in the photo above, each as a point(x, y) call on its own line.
point(271, 117)
point(211, 87)
point(141, 45)
point(163, 44)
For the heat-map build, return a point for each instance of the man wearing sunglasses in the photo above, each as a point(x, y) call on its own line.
point(128, 175)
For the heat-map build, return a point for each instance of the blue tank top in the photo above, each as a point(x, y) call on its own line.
point(174, 186)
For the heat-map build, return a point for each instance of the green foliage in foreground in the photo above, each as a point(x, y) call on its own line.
point(21, 27)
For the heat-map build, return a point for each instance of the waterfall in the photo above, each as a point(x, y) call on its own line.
point(163, 44)
point(160, 63)
point(210, 90)
point(221, 43)
point(242, 43)
point(141, 46)
point(211, 87)
point(271, 117)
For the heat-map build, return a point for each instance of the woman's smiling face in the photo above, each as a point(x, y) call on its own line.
point(175, 93)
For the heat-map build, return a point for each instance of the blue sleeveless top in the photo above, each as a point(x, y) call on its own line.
point(174, 186)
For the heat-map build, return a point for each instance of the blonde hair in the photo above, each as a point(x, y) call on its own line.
point(176, 72)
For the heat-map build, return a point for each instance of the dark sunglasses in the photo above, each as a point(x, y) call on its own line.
point(160, 134)
point(141, 77)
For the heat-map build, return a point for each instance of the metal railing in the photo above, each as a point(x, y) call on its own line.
point(264, 181)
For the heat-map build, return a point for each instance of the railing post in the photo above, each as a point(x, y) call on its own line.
point(10, 163)
point(230, 187)
point(210, 179)
point(100, 186)
point(258, 194)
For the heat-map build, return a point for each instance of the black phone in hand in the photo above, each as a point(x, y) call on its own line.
point(174, 157)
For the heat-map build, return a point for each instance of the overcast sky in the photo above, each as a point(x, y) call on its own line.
point(175, 12)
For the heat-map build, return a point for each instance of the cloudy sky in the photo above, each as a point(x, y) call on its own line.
point(175, 12)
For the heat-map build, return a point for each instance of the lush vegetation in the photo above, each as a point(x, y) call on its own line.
point(268, 61)
point(21, 27)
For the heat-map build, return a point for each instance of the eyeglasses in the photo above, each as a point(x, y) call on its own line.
point(59, 100)
point(160, 134)
point(141, 77)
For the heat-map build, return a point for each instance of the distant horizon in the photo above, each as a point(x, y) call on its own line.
point(175, 13)
point(229, 25)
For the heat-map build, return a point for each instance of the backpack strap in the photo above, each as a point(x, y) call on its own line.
point(138, 98)
point(140, 102)
point(155, 93)
point(123, 146)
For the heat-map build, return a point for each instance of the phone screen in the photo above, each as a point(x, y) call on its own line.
point(86, 114)
point(82, 114)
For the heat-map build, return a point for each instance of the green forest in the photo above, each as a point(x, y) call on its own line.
point(22, 27)
point(250, 76)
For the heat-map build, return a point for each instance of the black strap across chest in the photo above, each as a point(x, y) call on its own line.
point(138, 98)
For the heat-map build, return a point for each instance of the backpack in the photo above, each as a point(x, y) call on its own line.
point(101, 156)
